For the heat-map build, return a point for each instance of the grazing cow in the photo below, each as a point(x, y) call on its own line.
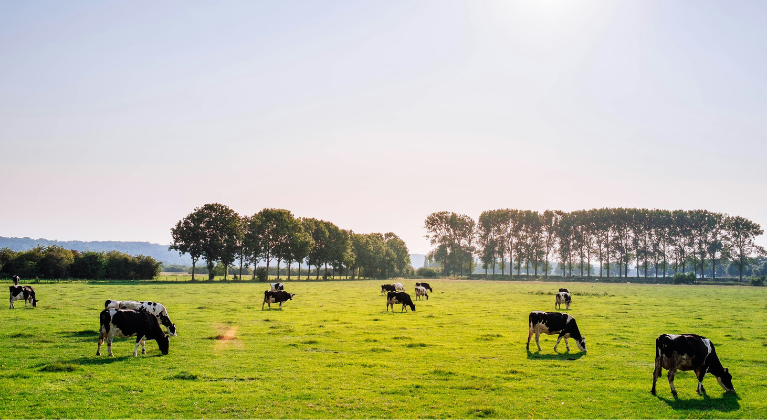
point(158, 309)
point(277, 296)
point(387, 288)
point(277, 286)
point(399, 298)
point(425, 285)
point(23, 292)
point(555, 323)
point(127, 323)
point(420, 291)
point(688, 352)
point(399, 287)
point(561, 289)
point(562, 297)
point(16, 280)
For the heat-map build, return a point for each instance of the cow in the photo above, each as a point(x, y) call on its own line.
point(158, 309)
point(387, 288)
point(425, 286)
point(562, 289)
point(688, 352)
point(555, 323)
point(277, 296)
point(403, 298)
point(128, 323)
point(420, 291)
point(16, 280)
point(23, 292)
point(398, 287)
point(562, 297)
point(277, 286)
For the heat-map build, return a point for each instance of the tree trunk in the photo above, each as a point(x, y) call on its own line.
point(299, 270)
point(326, 271)
point(241, 258)
point(194, 265)
point(279, 260)
point(289, 270)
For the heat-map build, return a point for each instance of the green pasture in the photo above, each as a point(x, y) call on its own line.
point(335, 352)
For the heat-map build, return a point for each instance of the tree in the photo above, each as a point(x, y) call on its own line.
point(301, 244)
point(188, 237)
point(319, 233)
point(741, 233)
point(274, 232)
point(400, 253)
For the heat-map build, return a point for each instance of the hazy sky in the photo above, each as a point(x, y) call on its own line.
point(117, 119)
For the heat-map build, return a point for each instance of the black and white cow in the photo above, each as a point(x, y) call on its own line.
point(398, 287)
point(688, 352)
point(420, 291)
point(555, 323)
point(562, 297)
point(128, 323)
point(425, 286)
point(387, 288)
point(16, 280)
point(23, 292)
point(276, 296)
point(562, 289)
point(277, 286)
point(403, 298)
point(158, 309)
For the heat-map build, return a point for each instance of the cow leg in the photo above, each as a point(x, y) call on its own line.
point(557, 343)
point(109, 345)
point(567, 346)
point(538, 343)
point(101, 340)
point(656, 373)
point(671, 374)
point(529, 335)
point(11, 304)
point(700, 373)
point(280, 305)
point(135, 348)
point(568, 306)
point(143, 345)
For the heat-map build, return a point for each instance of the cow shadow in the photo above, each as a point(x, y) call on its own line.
point(554, 356)
point(84, 335)
point(727, 402)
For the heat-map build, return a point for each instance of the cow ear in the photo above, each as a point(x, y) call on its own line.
point(727, 370)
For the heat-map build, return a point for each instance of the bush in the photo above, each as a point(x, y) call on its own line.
point(681, 278)
point(758, 281)
point(88, 265)
point(426, 273)
point(261, 274)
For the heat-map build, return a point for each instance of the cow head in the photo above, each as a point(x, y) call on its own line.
point(164, 343)
point(172, 330)
point(725, 381)
point(581, 344)
point(34, 302)
point(291, 295)
point(412, 306)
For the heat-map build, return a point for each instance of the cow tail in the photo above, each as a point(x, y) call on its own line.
point(104, 318)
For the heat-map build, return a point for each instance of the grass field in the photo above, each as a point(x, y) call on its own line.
point(334, 352)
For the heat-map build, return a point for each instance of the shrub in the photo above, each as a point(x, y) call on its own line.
point(758, 281)
point(261, 274)
point(426, 273)
point(681, 278)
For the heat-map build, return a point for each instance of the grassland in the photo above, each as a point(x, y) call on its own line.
point(334, 352)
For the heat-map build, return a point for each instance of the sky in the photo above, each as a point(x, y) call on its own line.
point(118, 118)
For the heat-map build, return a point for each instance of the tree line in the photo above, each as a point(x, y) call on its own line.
point(216, 234)
point(56, 262)
point(660, 242)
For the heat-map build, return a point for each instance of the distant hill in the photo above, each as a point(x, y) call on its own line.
point(156, 251)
